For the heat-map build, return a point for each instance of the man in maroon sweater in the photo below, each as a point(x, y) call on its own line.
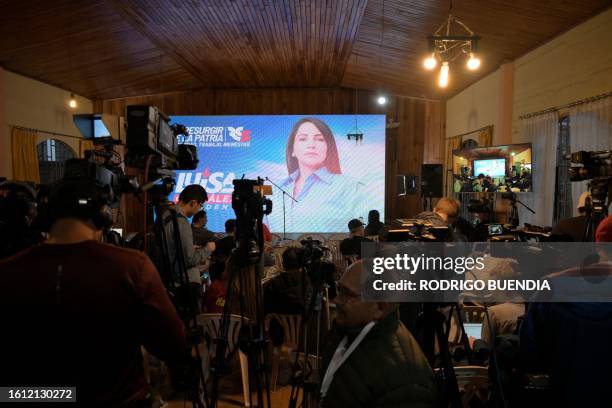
point(75, 313)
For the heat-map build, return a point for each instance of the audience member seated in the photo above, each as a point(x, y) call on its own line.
point(77, 311)
point(227, 243)
point(214, 297)
point(201, 235)
point(571, 341)
point(286, 293)
point(374, 224)
point(574, 226)
point(352, 245)
point(372, 360)
point(444, 213)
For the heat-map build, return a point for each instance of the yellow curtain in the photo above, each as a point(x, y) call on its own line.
point(452, 143)
point(25, 155)
point(84, 145)
point(485, 137)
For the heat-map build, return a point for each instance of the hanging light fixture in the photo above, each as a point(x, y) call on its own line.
point(72, 103)
point(451, 40)
point(382, 100)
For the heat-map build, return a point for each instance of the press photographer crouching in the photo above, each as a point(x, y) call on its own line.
point(76, 312)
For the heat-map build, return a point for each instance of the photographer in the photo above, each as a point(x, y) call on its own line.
point(77, 311)
point(190, 201)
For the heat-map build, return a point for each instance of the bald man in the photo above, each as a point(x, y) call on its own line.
point(373, 360)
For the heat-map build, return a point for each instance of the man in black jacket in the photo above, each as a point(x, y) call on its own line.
point(373, 360)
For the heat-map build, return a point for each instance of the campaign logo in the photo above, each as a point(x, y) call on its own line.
point(239, 134)
point(237, 137)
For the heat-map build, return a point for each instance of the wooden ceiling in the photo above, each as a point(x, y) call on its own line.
point(105, 49)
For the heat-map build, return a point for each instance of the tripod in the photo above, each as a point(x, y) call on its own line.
point(284, 213)
point(245, 271)
point(310, 387)
point(514, 216)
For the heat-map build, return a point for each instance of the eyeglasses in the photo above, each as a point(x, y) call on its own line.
point(346, 295)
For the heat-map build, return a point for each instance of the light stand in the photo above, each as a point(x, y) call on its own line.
point(284, 194)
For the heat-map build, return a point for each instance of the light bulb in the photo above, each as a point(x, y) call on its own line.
point(473, 63)
point(430, 62)
point(443, 80)
point(382, 100)
point(72, 103)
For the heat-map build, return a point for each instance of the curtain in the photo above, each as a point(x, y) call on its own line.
point(452, 143)
point(85, 145)
point(25, 155)
point(485, 137)
point(542, 132)
point(590, 129)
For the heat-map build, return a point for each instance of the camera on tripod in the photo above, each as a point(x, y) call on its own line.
point(594, 165)
point(149, 133)
point(310, 256)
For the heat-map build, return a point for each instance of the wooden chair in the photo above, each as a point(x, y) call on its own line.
point(211, 322)
point(291, 331)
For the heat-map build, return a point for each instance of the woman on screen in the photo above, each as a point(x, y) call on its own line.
point(326, 198)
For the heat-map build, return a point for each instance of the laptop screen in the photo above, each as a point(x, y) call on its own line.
point(473, 329)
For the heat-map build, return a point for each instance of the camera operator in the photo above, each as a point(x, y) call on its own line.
point(574, 227)
point(77, 311)
point(18, 212)
point(190, 201)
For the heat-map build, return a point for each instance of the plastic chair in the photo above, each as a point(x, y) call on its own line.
point(337, 237)
point(473, 382)
point(291, 332)
point(211, 323)
point(317, 237)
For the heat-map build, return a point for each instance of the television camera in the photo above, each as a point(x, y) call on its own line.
point(595, 166)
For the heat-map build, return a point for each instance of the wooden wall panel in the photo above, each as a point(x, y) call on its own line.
point(417, 139)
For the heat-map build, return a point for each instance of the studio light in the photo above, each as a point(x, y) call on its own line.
point(381, 100)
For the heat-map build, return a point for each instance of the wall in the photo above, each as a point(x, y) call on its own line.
point(33, 104)
point(474, 107)
point(417, 139)
point(575, 65)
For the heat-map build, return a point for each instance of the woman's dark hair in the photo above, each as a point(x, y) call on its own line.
point(373, 216)
point(332, 161)
point(198, 216)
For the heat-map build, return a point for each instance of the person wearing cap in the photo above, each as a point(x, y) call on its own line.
point(574, 227)
point(352, 246)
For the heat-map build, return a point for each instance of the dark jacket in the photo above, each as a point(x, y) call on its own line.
point(77, 314)
point(388, 369)
point(571, 342)
point(373, 228)
point(352, 246)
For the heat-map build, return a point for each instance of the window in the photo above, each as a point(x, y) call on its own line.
point(52, 154)
point(563, 190)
